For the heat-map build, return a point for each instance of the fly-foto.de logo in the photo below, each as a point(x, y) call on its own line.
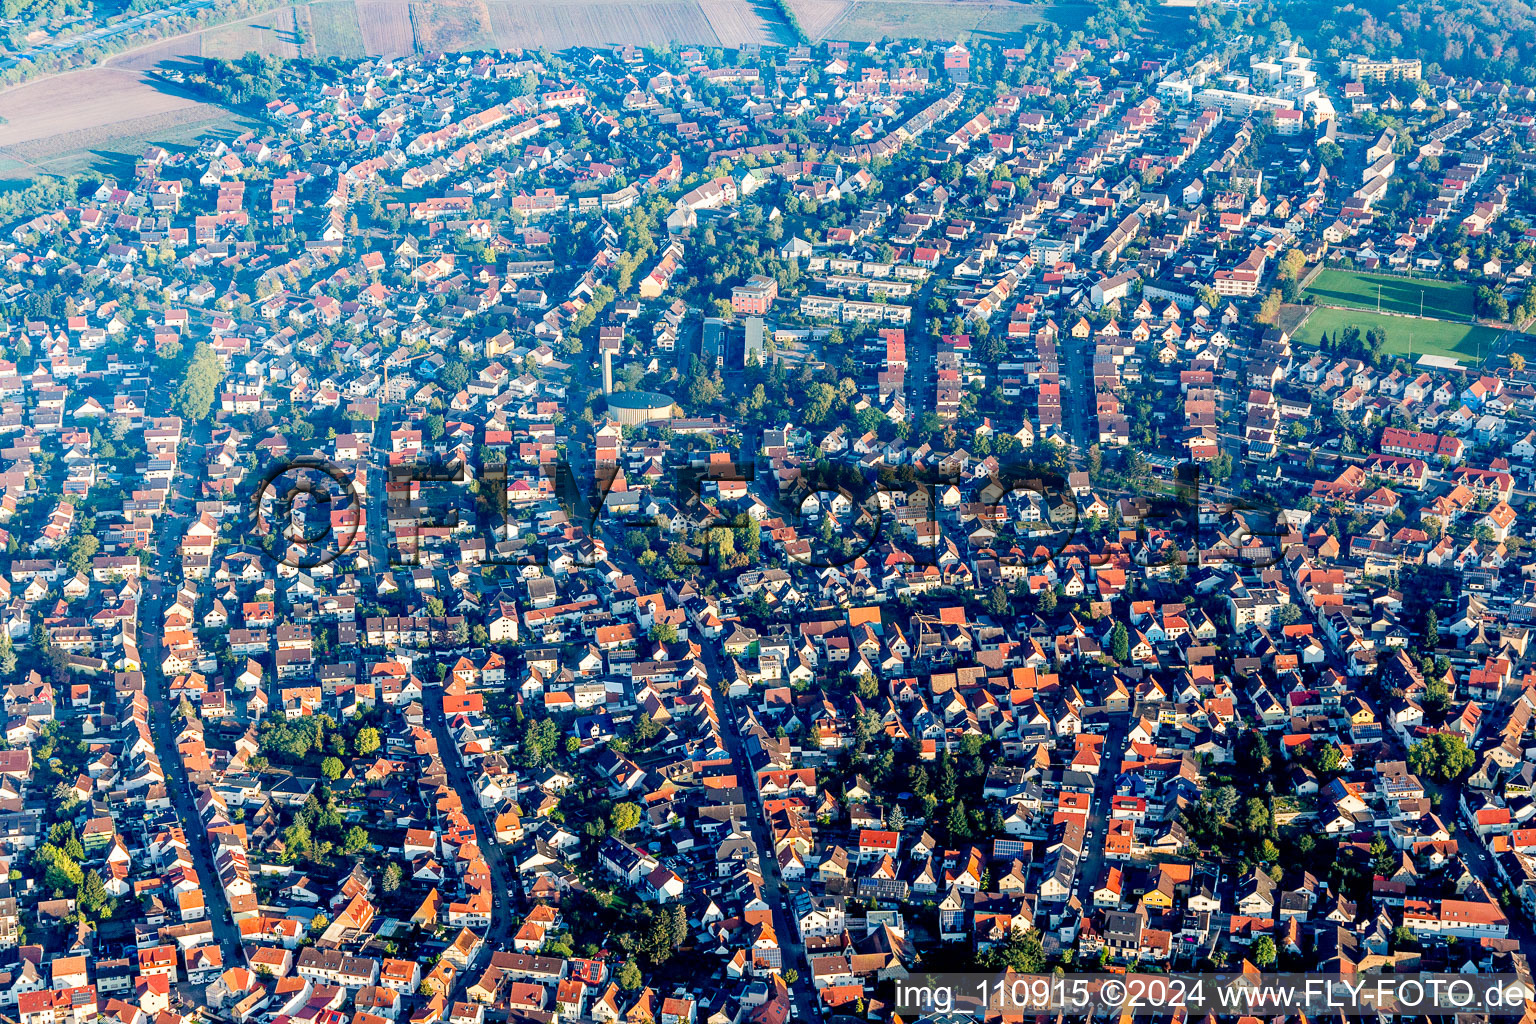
point(307, 511)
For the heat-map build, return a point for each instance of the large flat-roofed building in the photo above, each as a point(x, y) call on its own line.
point(1391, 69)
point(1241, 104)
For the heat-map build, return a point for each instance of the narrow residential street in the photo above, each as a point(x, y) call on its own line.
point(791, 948)
point(1092, 864)
point(1079, 415)
point(499, 934)
point(774, 889)
point(171, 525)
point(180, 789)
point(922, 351)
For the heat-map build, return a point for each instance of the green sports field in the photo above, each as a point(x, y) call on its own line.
point(1423, 337)
point(1357, 290)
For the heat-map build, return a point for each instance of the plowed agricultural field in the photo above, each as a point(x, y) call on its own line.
point(735, 22)
point(564, 23)
point(386, 27)
point(354, 28)
point(274, 34)
point(816, 16)
point(335, 30)
point(168, 53)
point(97, 116)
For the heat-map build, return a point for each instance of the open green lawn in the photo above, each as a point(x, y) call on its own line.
point(1398, 294)
point(1426, 337)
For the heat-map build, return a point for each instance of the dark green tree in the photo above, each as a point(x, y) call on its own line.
point(1120, 643)
point(92, 897)
point(997, 602)
point(1022, 953)
point(193, 397)
point(367, 740)
point(356, 841)
point(624, 816)
point(958, 822)
point(1443, 756)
